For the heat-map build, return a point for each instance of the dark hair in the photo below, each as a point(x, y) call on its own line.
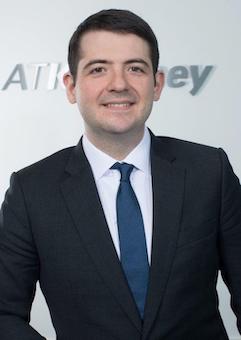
point(113, 20)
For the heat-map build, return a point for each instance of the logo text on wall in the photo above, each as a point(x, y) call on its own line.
point(48, 76)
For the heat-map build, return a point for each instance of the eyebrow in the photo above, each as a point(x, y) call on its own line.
point(138, 61)
point(127, 62)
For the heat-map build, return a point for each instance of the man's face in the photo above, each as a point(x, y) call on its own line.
point(114, 87)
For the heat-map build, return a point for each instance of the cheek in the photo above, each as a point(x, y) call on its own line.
point(87, 91)
point(145, 89)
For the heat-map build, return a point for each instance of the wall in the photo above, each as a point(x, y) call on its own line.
point(36, 119)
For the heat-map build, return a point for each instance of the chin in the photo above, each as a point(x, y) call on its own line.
point(124, 130)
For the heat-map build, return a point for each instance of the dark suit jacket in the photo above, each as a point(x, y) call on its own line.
point(53, 230)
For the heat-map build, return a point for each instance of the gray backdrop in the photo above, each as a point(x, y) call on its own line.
point(200, 53)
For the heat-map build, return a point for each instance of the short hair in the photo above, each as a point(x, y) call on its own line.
point(113, 20)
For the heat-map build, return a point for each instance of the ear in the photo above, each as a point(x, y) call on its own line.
point(160, 80)
point(70, 87)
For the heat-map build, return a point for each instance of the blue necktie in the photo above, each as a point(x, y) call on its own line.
point(133, 250)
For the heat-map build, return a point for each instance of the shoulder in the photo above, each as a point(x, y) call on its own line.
point(187, 151)
point(202, 162)
point(185, 145)
point(49, 168)
point(196, 158)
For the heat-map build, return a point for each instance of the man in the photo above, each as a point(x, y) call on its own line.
point(126, 232)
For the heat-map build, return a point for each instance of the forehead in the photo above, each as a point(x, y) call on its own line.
point(105, 44)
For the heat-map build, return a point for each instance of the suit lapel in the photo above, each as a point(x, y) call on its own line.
point(168, 190)
point(81, 196)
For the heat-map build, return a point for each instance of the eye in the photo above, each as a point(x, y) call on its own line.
point(136, 69)
point(97, 70)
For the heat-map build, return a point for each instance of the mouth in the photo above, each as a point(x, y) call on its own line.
point(118, 105)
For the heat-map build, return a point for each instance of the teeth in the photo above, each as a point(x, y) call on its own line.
point(118, 105)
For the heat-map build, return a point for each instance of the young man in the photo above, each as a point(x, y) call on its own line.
point(126, 232)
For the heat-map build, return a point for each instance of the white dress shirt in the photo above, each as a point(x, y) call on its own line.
point(107, 182)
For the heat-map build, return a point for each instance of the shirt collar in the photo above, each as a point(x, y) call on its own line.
point(100, 162)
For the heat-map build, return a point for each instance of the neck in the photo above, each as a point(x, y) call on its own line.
point(117, 146)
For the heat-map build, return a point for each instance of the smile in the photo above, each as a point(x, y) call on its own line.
point(118, 105)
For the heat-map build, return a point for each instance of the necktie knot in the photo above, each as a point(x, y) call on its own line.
point(125, 170)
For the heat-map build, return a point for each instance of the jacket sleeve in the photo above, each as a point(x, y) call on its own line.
point(19, 267)
point(230, 235)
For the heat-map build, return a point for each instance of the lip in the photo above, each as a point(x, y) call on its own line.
point(118, 106)
point(118, 102)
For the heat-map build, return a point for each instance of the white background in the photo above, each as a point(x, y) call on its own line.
point(36, 123)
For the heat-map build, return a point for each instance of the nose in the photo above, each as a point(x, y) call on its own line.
point(118, 81)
